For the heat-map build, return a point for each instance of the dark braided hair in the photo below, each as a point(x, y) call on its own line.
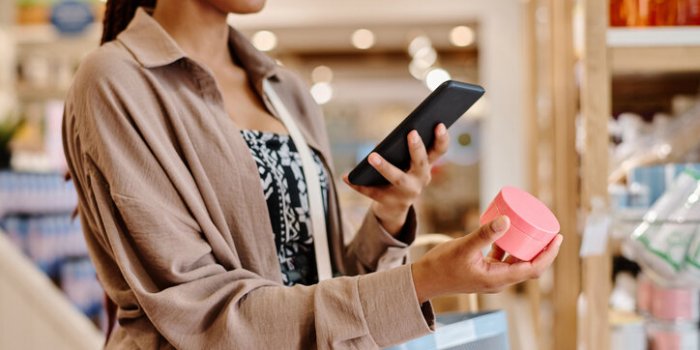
point(118, 15)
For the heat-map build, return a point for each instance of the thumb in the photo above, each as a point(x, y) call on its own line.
point(489, 233)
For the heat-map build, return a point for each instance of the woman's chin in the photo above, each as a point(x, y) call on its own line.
point(238, 6)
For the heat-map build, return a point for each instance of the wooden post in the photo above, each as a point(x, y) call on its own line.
point(595, 110)
point(532, 287)
point(567, 272)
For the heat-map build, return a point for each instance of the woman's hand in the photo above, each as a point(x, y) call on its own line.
point(459, 266)
point(392, 202)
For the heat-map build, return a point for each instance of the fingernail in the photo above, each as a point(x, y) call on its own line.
point(414, 137)
point(500, 224)
point(442, 129)
point(375, 160)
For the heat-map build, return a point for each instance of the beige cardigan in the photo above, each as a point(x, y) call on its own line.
point(178, 228)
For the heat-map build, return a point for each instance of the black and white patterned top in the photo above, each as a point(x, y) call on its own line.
point(284, 186)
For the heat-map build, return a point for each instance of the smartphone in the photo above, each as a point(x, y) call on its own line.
point(444, 105)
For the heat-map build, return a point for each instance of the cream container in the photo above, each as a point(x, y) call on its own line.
point(532, 224)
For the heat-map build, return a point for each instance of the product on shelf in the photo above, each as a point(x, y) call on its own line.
point(666, 140)
point(649, 182)
point(693, 256)
point(34, 12)
point(623, 13)
point(660, 12)
point(644, 294)
point(627, 331)
point(671, 336)
point(688, 12)
point(670, 315)
point(28, 193)
point(641, 13)
point(674, 304)
point(662, 240)
point(79, 282)
point(47, 240)
point(36, 213)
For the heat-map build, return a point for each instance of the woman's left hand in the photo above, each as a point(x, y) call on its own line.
point(392, 202)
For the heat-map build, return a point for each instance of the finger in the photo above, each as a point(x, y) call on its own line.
point(524, 270)
point(496, 253)
point(502, 274)
point(441, 144)
point(511, 260)
point(371, 192)
point(487, 234)
point(547, 256)
point(419, 156)
point(393, 174)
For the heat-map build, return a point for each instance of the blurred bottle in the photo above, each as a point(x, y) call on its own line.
point(642, 13)
point(624, 13)
point(688, 12)
point(662, 12)
point(617, 18)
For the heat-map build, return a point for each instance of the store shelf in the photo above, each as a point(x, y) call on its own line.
point(654, 37)
point(47, 34)
point(28, 94)
point(654, 50)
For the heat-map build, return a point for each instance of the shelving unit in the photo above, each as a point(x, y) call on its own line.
point(606, 52)
point(37, 222)
point(595, 96)
point(43, 34)
point(654, 50)
point(658, 37)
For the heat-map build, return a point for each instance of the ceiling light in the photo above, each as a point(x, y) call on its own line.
point(264, 40)
point(425, 57)
point(363, 39)
point(435, 77)
point(462, 36)
point(417, 71)
point(322, 92)
point(418, 43)
point(322, 74)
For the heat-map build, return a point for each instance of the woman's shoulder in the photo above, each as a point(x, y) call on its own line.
point(111, 64)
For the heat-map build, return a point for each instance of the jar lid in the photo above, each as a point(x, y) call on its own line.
point(528, 213)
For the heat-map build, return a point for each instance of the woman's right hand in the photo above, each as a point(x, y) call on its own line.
point(459, 266)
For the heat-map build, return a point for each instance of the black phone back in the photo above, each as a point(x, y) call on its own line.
point(444, 105)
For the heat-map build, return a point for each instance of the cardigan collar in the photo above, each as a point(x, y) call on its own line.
point(153, 47)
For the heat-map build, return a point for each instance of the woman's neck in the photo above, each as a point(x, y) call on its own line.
point(198, 27)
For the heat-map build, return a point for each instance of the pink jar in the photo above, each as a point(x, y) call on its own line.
point(673, 336)
point(532, 224)
point(644, 294)
point(675, 304)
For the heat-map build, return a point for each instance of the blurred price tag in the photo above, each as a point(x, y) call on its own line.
point(595, 234)
point(71, 17)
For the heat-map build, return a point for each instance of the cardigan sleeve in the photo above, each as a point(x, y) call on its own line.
point(374, 249)
point(170, 268)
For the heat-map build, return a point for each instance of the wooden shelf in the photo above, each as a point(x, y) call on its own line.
point(654, 37)
point(654, 50)
point(29, 93)
point(46, 34)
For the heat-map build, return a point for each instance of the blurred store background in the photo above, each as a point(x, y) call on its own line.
point(590, 104)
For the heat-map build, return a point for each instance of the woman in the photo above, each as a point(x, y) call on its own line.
point(197, 221)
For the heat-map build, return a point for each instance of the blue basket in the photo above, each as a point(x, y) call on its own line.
point(459, 331)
